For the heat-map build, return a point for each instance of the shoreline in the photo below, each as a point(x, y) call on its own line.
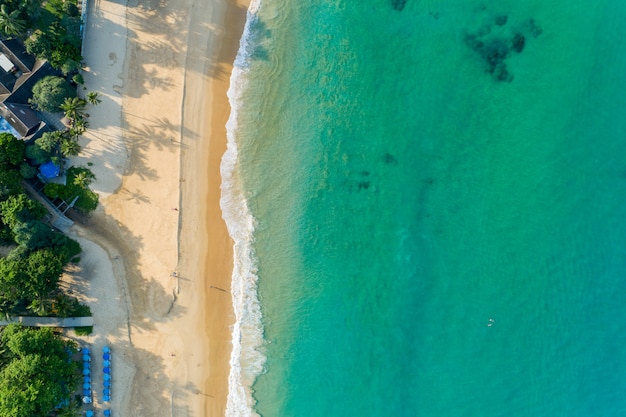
point(167, 254)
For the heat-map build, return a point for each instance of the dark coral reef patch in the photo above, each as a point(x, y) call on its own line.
point(495, 43)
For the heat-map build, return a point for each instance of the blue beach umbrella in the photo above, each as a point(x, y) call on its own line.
point(88, 413)
point(86, 371)
point(107, 363)
point(107, 413)
point(85, 351)
point(86, 378)
point(106, 399)
point(86, 393)
point(106, 392)
point(106, 349)
point(106, 356)
point(86, 385)
point(106, 370)
point(86, 358)
point(107, 384)
point(107, 377)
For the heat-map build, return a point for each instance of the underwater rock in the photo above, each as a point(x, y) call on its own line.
point(518, 43)
point(495, 45)
point(363, 185)
point(398, 4)
point(533, 28)
point(389, 159)
point(501, 20)
point(495, 52)
point(502, 73)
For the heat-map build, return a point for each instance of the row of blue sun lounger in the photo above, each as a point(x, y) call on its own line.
point(106, 392)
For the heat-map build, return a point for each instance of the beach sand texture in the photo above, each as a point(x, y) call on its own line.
point(157, 259)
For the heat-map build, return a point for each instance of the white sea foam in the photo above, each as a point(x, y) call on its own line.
point(247, 359)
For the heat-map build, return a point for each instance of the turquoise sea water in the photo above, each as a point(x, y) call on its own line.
point(428, 200)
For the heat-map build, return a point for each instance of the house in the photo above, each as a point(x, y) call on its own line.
point(22, 118)
point(15, 65)
point(19, 72)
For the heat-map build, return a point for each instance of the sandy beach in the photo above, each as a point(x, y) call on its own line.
point(157, 258)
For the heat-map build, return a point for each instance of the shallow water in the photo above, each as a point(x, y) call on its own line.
point(428, 211)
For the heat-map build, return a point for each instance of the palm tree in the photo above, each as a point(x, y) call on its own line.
point(92, 98)
point(10, 22)
point(73, 108)
point(63, 305)
point(83, 178)
point(80, 126)
point(39, 306)
point(70, 147)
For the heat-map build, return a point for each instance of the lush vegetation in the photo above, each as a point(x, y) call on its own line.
point(37, 373)
point(76, 187)
point(29, 275)
point(50, 29)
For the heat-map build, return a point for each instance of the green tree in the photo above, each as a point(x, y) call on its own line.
point(12, 278)
point(24, 341)
point(37, 375)
point(11, 22)
point(37, 154)
point(20, 208)
point(50, 141)
point(12, 150)
point(32, 234)
point(40, 44)
point(27, 171)
point(10, 182)
point(44, 269)
point(64, 247)
point(50, 92)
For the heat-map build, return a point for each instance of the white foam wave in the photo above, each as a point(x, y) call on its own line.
point(247, 358)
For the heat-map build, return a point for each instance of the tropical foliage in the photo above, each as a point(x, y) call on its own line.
point(77, 185)
point(50, 30)
point(37, 372)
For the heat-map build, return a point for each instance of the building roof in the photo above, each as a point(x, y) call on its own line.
point(16, 53)
point(16, 85)
point(21, 117)
point(24, 86)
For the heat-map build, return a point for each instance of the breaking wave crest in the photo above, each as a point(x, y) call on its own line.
point(247, 358)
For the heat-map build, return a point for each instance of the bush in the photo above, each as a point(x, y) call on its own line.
point(37, 154)
point(10, 183)
point(53, 190)
point(83, 331)
point(78, 79)
point(27, 171)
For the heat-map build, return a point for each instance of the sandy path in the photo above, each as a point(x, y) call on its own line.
point(163, 257)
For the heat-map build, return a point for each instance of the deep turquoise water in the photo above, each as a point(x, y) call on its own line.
point(429, 209)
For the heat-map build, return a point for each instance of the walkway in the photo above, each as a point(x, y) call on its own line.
point(50, 321)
